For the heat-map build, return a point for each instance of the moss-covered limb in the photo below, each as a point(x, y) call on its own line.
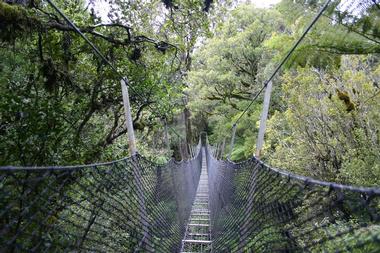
point(16, 20)
point(10, 12)
point(25, 19)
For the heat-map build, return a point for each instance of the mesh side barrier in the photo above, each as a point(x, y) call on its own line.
point(255, 208)
point(130, 205)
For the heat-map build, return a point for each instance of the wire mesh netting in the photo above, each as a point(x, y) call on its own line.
point(255, 208)
point(130, 205)
point(134, 205)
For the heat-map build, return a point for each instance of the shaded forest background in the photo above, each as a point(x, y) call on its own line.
point(195, 65)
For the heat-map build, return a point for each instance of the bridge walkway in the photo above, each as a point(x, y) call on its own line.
point(198, 230)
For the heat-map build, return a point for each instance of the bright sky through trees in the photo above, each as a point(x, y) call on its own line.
point(102, 7)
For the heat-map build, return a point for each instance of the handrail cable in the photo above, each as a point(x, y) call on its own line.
point(259, 208)
point(96, 50)
point(102, 57)
point(290, 52)
point(349, 29)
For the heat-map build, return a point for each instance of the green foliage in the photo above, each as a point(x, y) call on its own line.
point(62, 105)
point(324, 110)
point(364, 235)
point(228, 70)
point(329, 129)
point(15, 21)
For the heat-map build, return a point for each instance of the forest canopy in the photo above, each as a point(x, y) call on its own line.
point(195, 65)
point(206, 80)
point(325, 107)
point(61, 104)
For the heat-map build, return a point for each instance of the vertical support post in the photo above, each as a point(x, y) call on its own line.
point(232, 140)
point(128, 117)
point(180, 147)
point(263, 121)
point(222, 148)
point(166, 135)
point(190, 152)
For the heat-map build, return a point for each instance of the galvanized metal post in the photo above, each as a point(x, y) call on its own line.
point(232, 140)
point(128, 117)
point(166, 135)
point(263, 121)
point(222, 148)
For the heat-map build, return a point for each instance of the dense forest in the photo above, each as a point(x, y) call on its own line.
point(195, 66)
point(324, 114)
point(196, 72)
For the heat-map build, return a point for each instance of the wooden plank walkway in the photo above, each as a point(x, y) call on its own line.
point(198, 230)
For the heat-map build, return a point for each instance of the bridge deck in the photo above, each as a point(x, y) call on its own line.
point(198, 231)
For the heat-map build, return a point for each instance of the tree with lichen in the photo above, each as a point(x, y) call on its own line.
point(229, 69)
point(330, 127)
point(61, 103)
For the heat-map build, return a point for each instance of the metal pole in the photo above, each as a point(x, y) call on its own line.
point(263, 121)
point(166, 135)
point(190, 153)
point(232, 140)
point(180, 147)
point(222, 148)
point(128, 117)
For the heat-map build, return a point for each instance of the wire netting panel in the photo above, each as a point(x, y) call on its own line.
point(131, 205)
point(255, 208)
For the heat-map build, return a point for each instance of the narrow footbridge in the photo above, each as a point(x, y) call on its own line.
point(198, 232)
point(199, 205)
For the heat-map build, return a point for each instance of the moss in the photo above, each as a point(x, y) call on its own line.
point(343, 95)
point(15, 21)
point(11, 13)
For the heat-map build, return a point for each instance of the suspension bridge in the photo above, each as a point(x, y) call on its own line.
point(202, 204)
